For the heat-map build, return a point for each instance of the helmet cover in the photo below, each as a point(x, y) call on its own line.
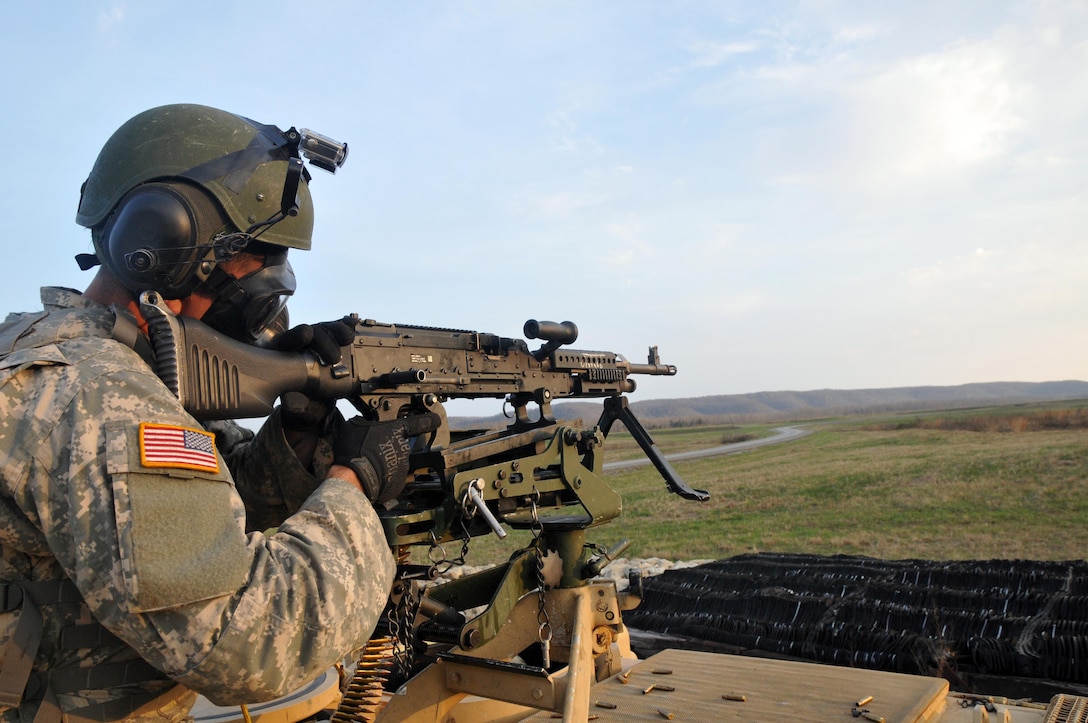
point(241, 163)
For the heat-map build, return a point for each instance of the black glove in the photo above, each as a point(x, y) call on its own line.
point(378, 452)
point(297, 411)
point(324, 339)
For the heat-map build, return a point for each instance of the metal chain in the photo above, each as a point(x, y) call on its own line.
point(440, 562)
point(544, 631)
point(401, 620)
point(391, 620)
point(436, 553)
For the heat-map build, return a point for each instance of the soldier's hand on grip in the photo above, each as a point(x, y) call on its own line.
point(378, 452)
point(297, 411)
point(324, 339)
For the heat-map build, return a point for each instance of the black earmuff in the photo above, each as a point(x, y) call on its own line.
point(160, 238)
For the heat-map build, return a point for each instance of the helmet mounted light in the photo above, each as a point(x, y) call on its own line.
point(321, 151)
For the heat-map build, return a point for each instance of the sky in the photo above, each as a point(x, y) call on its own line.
point(780, 195)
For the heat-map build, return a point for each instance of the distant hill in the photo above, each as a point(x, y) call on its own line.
point(790, 405)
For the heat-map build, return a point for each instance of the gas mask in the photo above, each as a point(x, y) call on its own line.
point(252, 308)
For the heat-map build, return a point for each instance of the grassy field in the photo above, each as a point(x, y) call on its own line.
point(1006, 482)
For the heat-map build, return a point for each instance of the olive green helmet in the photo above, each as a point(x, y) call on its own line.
point(181, 188)
point(242, 164)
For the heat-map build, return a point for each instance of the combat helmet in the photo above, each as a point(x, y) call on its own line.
point(179, 188)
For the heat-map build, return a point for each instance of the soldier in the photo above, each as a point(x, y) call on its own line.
point(138, 566)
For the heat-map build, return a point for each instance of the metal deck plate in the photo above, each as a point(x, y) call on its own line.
point(773, 690)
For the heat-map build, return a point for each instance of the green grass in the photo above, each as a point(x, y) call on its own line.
point(964, 485)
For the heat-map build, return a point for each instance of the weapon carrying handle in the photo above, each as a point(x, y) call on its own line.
point(616, 409)
point(565, 332)
point(555, 334)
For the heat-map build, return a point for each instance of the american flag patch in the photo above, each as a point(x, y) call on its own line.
point(163, 445)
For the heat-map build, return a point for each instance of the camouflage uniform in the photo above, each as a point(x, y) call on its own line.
point(160, 554)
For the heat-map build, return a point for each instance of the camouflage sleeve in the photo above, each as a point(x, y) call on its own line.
point(271, 480)
point(314, 601)
point(160, 551)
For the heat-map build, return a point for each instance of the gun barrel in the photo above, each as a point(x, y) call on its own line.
point(653, 365)
point(658, 369)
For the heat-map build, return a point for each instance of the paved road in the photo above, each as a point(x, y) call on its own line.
point(781, 434)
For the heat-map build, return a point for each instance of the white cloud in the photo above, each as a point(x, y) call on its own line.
point(735, 306)
point(936, 113)
point(626, 247)
point(712, 54)
point(1041, 160)
point(1035, 279)
point(854, 33)
point(560, 204)
point(568, 136)
point(110, 17)
point(956, 270)
point(861, 110)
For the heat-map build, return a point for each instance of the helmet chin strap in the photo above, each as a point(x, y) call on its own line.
point(224, 286)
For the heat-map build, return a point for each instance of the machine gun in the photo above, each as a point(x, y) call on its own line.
point(536, 473)
point(392, 371)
